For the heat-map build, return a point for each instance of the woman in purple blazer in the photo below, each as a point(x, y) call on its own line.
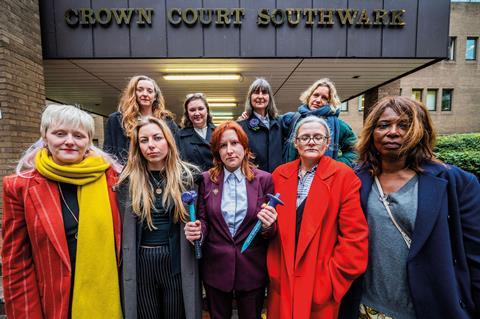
point(230, 201)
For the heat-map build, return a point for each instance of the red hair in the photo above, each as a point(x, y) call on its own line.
point(247, 164)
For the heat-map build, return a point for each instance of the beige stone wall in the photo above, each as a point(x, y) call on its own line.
point(460, 75)
point(22, 88)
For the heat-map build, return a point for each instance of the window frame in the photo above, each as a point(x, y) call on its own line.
point(361, 103)
point(475, 47)
point(450, 90)
point(413, 96)
point(344, 106)
point(452, 49)
point(434, 101)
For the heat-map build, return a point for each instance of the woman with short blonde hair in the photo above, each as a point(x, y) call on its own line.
point(61, 224)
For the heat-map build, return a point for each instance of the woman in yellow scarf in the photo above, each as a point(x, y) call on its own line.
point(61, 225)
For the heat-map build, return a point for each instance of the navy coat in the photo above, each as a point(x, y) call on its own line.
point(443, 265)
point(116, 142)
point(194, 149)
point(265, 143)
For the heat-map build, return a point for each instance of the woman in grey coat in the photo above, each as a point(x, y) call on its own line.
point(159, 271)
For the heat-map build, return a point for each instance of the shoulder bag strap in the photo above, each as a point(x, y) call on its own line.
point(383, 198)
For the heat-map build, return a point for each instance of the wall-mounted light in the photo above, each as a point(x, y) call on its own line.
point(202, 77)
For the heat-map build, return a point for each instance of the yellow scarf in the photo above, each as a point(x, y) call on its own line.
point(96, 292)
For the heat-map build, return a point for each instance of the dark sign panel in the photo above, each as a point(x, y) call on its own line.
point(244, 28)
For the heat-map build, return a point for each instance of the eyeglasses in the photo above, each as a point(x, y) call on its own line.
point(317, 139)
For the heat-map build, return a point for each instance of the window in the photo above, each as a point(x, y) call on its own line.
point(431, 102)
point(451, 48)
point(361, 103)
point(471, 48)
point(447, 95)
point(417, 94)
point(344, 107)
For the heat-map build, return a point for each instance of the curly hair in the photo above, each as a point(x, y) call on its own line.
point(130, 109)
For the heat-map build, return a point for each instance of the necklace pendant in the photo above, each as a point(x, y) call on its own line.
point(158, 191)
point(76, 235)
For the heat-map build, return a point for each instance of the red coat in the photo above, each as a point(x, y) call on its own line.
point(36, 263)
point(332, 245)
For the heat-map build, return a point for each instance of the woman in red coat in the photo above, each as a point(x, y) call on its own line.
point(321, 244)
point(61, 225)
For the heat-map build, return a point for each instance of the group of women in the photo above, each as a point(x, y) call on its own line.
point(399, 237)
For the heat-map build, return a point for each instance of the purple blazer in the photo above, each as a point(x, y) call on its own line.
point(223, 266)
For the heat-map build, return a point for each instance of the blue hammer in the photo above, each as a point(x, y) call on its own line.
point(189, 199)
point(273, 202)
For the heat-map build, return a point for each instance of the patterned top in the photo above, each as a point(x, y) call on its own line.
point(304, 183)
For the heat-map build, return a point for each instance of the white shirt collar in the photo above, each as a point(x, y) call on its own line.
point(202, 131)
point(237, 173)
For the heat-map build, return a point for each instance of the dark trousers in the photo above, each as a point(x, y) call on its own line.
point(159, 292)
point(249, 303)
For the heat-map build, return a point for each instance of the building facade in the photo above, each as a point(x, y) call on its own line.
point(450, 88)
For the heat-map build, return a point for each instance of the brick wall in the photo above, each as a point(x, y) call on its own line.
point(22, 87)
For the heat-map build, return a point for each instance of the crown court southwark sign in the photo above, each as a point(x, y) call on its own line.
point(234, 16)
point(244, 28)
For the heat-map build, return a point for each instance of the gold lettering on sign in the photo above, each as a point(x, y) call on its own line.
point(397, 18)
point(178, 16)
point(123, 15)
point(364, 18)
point(227, 16)
point(144, 16)
point(347, 15)
point(263, 18)
point(223, 16)
point(309, 13)
point(380, 17)
point(239, 14)
point(291, 13)
point(325, 17)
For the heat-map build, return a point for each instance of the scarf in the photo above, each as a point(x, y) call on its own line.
point(96, 292)
point(331, 117)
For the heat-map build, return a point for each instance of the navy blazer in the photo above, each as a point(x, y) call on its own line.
point(223, 266)
point(194, 149)
point(116, 142)
point(265, 143)
point(443, 265)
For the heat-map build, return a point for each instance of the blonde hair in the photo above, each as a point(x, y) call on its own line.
point(333, 101)
point(130, 109)
point(72, 116)
point(262, 85)
point(179, 176)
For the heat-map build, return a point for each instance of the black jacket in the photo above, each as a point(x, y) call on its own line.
point(265, 143)
point(194, 149)
point(116, 142)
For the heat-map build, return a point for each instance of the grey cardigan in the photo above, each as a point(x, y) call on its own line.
point(189, 267)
